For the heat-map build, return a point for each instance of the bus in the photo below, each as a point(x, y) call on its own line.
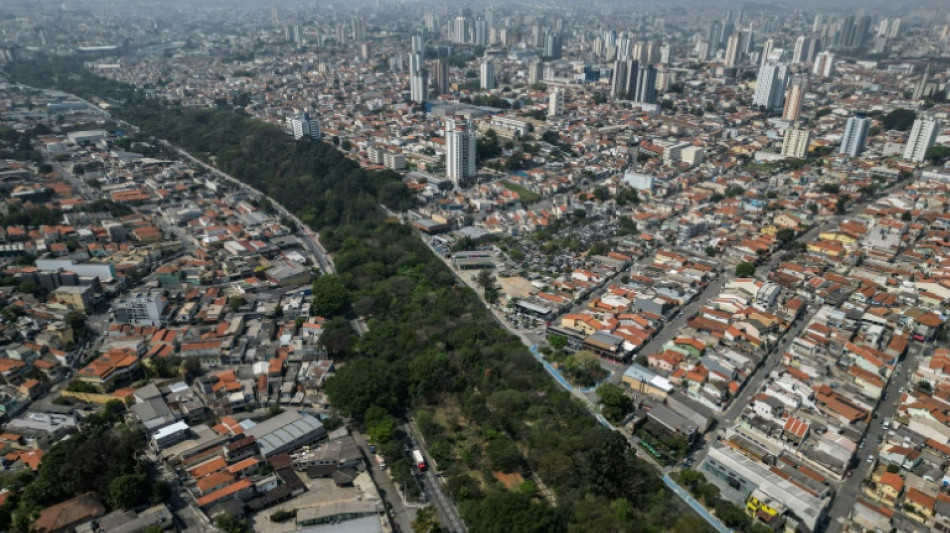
point(420, 461)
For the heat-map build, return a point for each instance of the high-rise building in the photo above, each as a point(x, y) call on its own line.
point(358, 29)
point(618, 83)
point(459, 149)
point(418, 78)
point(535, 72)
point(646, 84)
point(895, 28)
point(732, 51)
point(552, 45)
point(460, 30)
point(488, 75)
point(805, 49)
point(481, 33)
point(432, 22)
point(922, 137)
point(770, 86)
point(714, 35)
point(745, 43)
point(855, 134)
point(767, 47)
point(796, 143)
point(666, 54)
point(555, 102)
point(793, 100)
point(824, 65)
point(920, 90)
point(142, 308)
point(442, 76)
point(302, 126)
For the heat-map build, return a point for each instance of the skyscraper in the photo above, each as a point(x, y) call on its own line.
point(714, 35)
point(459, 149)
point(555, 102)
point(552, 45)
point(535, 72)
point(442, 76)
point(358, 27)
point(767, 47)
point(646, 84)
point(824, 65)
point(922, 137)
point(460, 30)
point(770, 86)
point(732, 51)
point(302, 126)
point(805, 49)
point(488, 75)
point(618, 83)
point(796, 143)
point(481, 33)
point(418, 80)
point(855, 134)
point(793, 100)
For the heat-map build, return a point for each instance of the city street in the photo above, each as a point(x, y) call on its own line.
point(402, 513)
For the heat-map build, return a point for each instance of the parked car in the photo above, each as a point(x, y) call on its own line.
point(871, 458)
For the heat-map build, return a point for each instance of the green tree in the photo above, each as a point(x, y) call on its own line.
point(938, 154)
point(330, 295)
point(899, 119)
point(503, 454)
point(745, 269)
point(710, 251)
point(616, 403)
point(427, 521)
point(235, 303)
point(558, 342)
point(192, 367)
point(126, 492)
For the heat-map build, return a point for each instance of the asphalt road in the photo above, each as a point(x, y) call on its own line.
point(433, 487)
point(849, 490)
point(401, 514)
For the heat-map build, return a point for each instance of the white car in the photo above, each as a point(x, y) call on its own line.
point(871, 458)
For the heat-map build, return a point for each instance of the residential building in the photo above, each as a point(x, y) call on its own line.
point(855, 134)
point(793, 100)
point(770, 86)
point(796, 143)
point(922, 137)
point(555, 102)
point(488, 75)
point(142, 308)
point(302, 126)
point(824, 65)
point(459, 150)
point(732, 51)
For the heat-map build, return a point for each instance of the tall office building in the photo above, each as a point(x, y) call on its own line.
point(555, 102)
point(646, 84)
point(535, 72)
point(793, 100)
point(824, 65)
point(732, 51)
point(745, 43)
point(796, 143)
point(459, 149)
point(481, 33)
point(855, 134)
point(302, 126)
point(922, 137)
point(770, 86)
point(442, 76)
point(488, 75)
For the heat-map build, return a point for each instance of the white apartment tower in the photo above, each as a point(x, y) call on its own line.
point(488, 75)
point(459, 150)
point(855, 134)
point(302, 125)
point(770, 86)
point(824, 65)
point(796, 143)
point(922, 137)
point(555, 103)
